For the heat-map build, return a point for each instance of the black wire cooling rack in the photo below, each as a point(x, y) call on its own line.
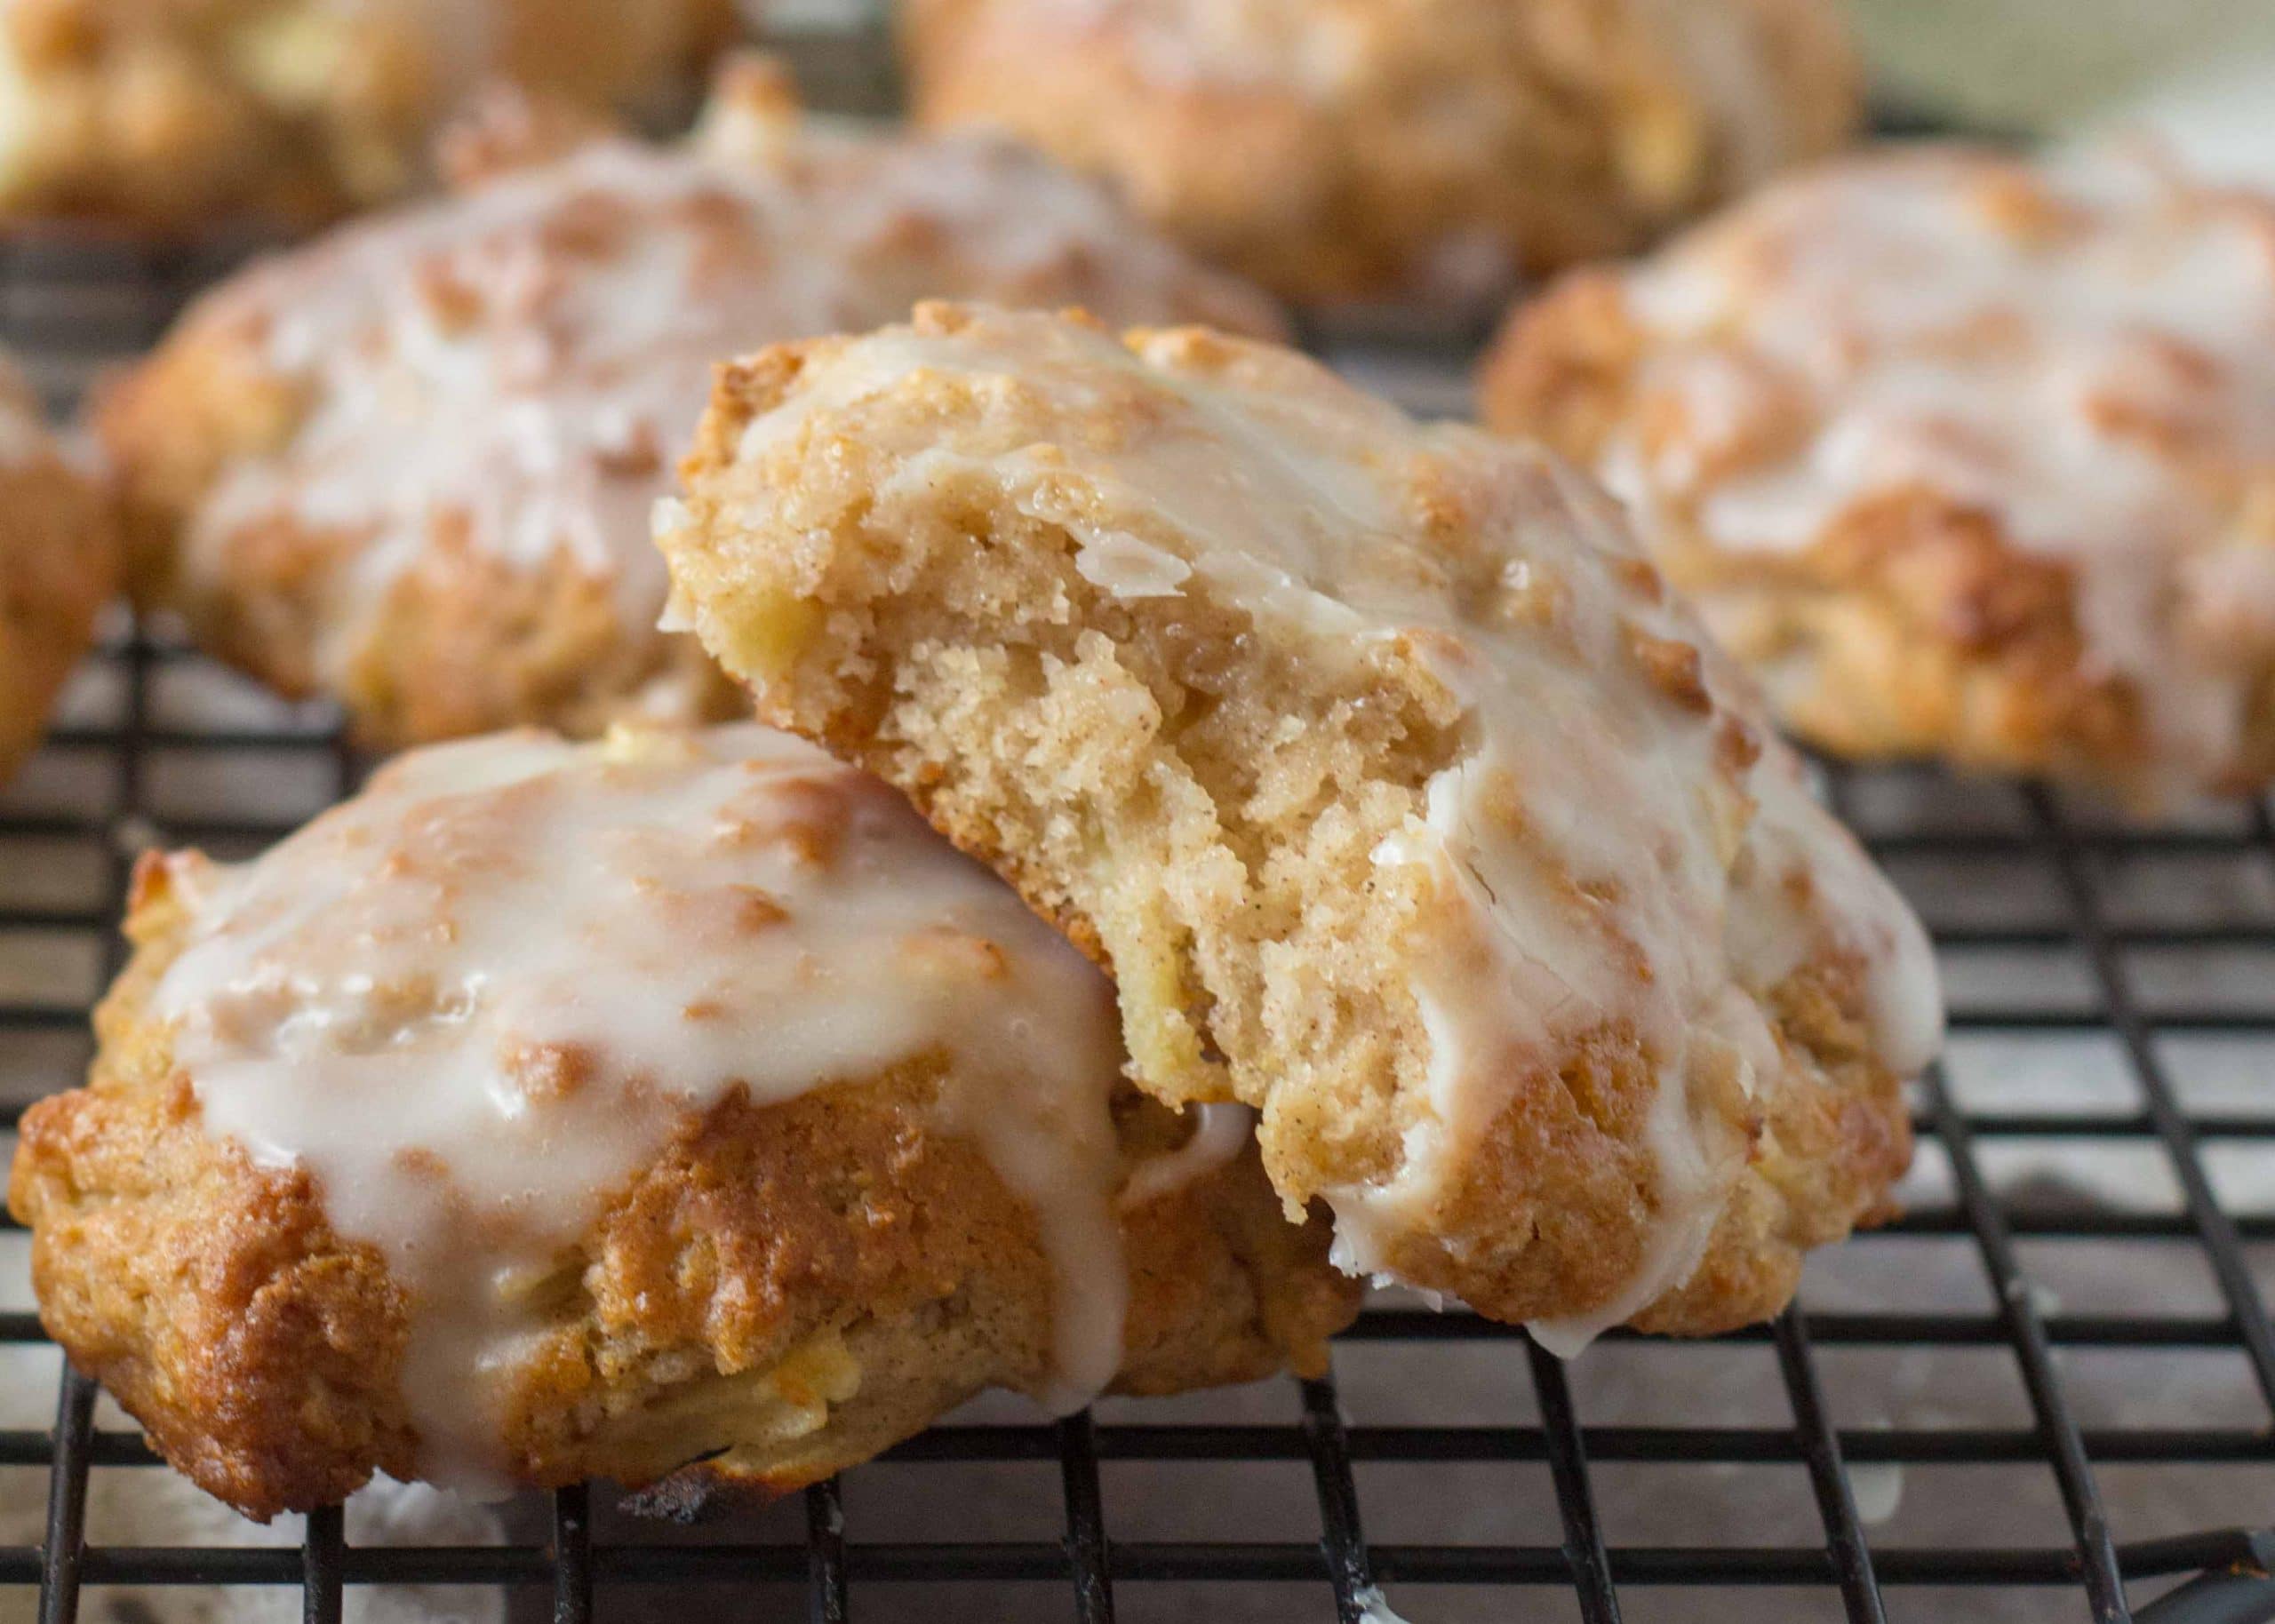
point(2046, 1391)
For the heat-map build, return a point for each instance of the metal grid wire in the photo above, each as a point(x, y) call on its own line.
point(2114, 1003)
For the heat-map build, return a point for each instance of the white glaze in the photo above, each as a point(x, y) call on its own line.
point(1220, 1132)
point(513, 370)
point(1373, 1608)
point(1657, 887)
point(482, 996)
point(2085, 352)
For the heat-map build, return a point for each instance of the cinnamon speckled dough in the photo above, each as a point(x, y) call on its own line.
point(401, 1154)
point(1965, 455)
point(1372, 149)
point(411, 466)
point(178, 118)
point(58, 564)
point(1402, 801)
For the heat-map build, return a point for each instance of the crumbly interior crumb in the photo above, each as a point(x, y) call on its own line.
point(1189, 799)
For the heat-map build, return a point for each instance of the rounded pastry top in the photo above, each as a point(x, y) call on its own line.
point(1615, 840)
point(507, 376)
point(1341, 149)
point(2080, 356)
point(478, 999)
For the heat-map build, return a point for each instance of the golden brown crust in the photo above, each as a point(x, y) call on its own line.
point(174, 119)
point(1918, 619)
point(59, 566)
point(1199, 792)
point(1356, 149)
point(786, 1291)
point(462, 644)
